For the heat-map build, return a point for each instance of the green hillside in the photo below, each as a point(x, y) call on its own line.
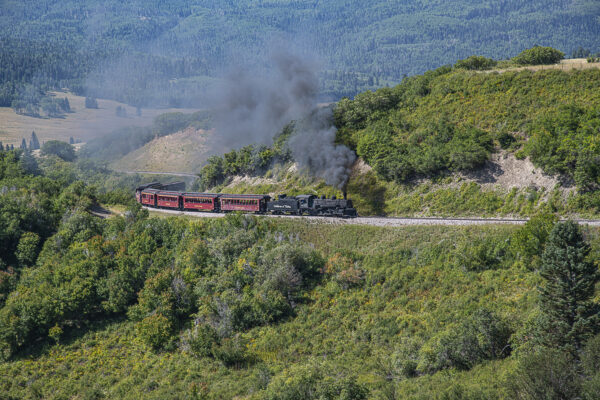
point(157, 52)
point(248, 307)
point(428, 142)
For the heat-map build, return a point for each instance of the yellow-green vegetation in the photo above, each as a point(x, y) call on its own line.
point(132, 306)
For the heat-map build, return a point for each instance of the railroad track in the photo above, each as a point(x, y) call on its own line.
point(379, 221)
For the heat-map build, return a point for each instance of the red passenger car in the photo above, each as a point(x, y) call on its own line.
point(148, 197)
point(200, 201)
point(167, 199)
point(244, 202)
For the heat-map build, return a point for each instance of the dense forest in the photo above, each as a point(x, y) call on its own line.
point(136, 306)
point(166, 53)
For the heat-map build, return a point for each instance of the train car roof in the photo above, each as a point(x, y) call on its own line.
point(148, 185)
point(305, 196)
point(201, 194)
point(245, 196)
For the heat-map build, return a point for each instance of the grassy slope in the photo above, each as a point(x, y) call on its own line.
point(184, 151)
point(412, 289)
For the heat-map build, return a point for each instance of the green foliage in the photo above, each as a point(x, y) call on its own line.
point(548, 374)
point(483, 336)
point(566, 142)
point(28, 248)
point(249, 160)
point(571, 316)
point(530, 240)
point(154, 330)
point(478, 63)
point(310, 382)
point(539, 55)
point(57, 148)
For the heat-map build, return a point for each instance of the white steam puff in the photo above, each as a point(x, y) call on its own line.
point(253, 108)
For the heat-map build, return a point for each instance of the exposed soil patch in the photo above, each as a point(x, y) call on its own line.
point(505, 170)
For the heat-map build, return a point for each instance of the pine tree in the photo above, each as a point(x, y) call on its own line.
point(566, 297)
point(34, 141)
point(1, 147)
point(23, 144)
point(71, 140)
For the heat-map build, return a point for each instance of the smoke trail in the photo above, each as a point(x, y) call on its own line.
point(313, 147)
point(253, 108)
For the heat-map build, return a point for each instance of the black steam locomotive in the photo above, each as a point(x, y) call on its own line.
point(308, 204)
point(173, 196)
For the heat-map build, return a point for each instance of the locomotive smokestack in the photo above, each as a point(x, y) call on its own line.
point(345, 195)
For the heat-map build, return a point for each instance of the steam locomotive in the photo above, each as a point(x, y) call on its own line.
point(174, 197)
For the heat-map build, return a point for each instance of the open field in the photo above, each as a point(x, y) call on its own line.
point(82, 124)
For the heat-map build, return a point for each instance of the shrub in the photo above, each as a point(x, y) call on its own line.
point(155, 331)
point(61, 149)
point(202, 340)
point(483, 336)
point(547, 374)
point(232, 352)
point(478, 63)
point(308, 382)
point(539, 55)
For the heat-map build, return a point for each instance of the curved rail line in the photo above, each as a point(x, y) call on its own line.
point(379, 221)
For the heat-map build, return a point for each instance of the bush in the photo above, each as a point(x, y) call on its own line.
point(547, 374)
point(308, 382)
point(539, 55)
point(478, 63)
point(483, 336)
point(232, 352)
point(61, 149)
point(155, 331)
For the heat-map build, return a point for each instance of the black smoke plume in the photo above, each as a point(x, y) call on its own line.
point(252, 107)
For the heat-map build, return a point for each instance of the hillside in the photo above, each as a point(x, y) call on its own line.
point(183, 151)
point(159, 53)
point(379, 319)
point(131, 306)
point(456, 142)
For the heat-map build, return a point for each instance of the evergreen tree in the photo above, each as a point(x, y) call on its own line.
point(1, 147)
point(34, 141)
point(566, 297)
point(71, 140)
point(67, 106)
point(23, 144)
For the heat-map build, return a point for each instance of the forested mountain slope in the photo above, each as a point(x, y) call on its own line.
point(164, 52)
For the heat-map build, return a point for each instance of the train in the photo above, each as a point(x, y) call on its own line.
point(173, 196)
